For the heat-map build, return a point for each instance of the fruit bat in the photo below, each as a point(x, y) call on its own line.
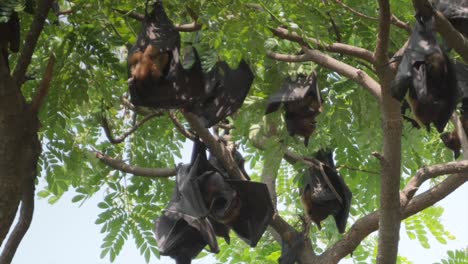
point(456, 11)
point(452, 141)
point(227, 89)
point(10, 36)
point(290, 250)
point(428, 75)
point(405, 106)
point(302, 103)
point(157, 76)
point(325, 192)
point(206, 204)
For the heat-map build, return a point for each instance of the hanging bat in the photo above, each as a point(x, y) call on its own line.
point(227, 91)
point(157, 77)
point(456, 11)
point(302, 103)
point(325, 192)
point(290, 251)
point(206, 201)
point(10, 40)
point(427, 74)
point(451, 139)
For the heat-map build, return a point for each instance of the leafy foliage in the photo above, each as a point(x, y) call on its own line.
point(455, 257)
point(91, 45)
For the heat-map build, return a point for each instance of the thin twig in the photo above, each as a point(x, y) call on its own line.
point(40, 95)
point(180, 127)
point(356, 169)
point(110, 136)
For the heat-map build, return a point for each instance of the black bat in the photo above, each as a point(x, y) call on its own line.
point(428, 74)
point(207, 202)
point(157, 76)
point(325, 192)
point(456, 11)
point(227, 89)
point(10, 40)
point(302, 103)
point(451, 139)
point(290, 250)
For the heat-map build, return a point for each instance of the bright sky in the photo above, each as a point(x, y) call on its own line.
point(66, 233)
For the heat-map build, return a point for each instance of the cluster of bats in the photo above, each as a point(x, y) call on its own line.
point(206, 202)
point(434, 84)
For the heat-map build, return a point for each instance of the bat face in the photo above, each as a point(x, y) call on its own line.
point(302, 103)
point(227, 91)
point(325, 193)
point(429, 75)
point(452, 141)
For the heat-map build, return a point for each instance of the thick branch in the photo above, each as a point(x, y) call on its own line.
point(24, 221)
point(110, 136)
point(40, 95)
point(358, 76)
point(31, 40)
point(427, 173)
point(341, 48)
point(137, 171)
point(370, 223)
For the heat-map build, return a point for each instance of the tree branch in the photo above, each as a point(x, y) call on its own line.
point(40, 95)
point(120, 165)
point(394, 20)
point(190, 27)
point(341, 48)
point(180, 127)
point(110, 136)
point(216, 148)
point(370, 223)
point(24, 221)
point(30, 43)
point(358, 76)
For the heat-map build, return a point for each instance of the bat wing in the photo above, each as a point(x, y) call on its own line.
point(290, 251)
point(294, 91)
point(345, 194)
point(456, 11)
point(229, 89)
point(256, 210)
point(202, 225)
point(461, 71)
point(177, 239)
point(411, 70)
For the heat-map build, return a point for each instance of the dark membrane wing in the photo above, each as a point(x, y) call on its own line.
point(461, 71)
point(341, 217)
point(202, 225)
point(220, 230)
point(293, 91)
point(256, 210)
point(290, 250)
point(420, 81)
point(175, 238)
point(403, 79)
point(228, 87)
